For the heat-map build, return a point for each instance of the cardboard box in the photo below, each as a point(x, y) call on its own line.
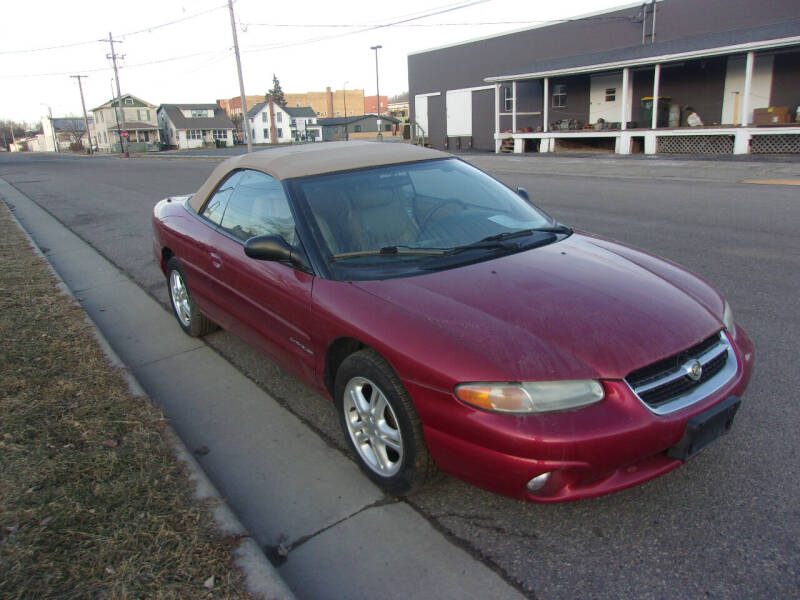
point(774, 115)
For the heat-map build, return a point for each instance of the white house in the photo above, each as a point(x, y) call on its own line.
point(291, 124)
point(67, 130)
point(195, 125)
point(140, 124)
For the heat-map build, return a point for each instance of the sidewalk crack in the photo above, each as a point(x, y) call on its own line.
point(279, 553)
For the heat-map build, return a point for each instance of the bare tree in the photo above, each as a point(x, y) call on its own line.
point(75, 128)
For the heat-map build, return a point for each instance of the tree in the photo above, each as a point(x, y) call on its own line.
point(276, 93)
point(75, 128)
point(6, 127)
point(401, 97)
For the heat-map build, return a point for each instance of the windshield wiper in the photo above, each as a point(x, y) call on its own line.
point(557, 228)
point(501, 240)
point(390, 251)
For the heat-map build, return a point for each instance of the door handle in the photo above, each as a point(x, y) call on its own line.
point(216, 260)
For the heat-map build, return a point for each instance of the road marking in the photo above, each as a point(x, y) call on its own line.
point(773, 181)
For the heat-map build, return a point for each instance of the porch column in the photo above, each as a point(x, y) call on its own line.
point(514, 106)
point(656, 92)
point(748, 83)
point(626, 74)
point(497, 118)
point(545, 103)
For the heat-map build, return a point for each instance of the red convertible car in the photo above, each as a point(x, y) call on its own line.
point(457, 327)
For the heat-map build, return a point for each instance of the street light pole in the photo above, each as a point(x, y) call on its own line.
point(346, 132)
point(52, 126)
point(377, 89)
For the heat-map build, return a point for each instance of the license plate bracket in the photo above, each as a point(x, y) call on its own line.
point(705, 428)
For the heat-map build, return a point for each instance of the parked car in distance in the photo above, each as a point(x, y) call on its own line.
point(457, 327)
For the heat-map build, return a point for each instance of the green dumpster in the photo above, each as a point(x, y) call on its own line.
point(663, 111)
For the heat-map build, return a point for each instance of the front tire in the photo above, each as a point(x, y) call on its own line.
point(189, 317)
point(381, 424)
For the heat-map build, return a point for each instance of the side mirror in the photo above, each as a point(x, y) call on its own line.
point(268, 247)
point(523, 193)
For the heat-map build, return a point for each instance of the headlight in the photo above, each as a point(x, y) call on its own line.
point(531, 396)
point(727, 318)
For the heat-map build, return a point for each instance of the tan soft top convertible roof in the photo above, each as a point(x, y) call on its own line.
point(313, 159)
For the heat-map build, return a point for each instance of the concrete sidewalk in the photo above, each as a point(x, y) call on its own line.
point(335, 533)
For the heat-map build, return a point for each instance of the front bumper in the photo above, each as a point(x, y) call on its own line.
point(615, 444)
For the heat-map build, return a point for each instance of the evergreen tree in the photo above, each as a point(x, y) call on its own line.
point(276, 93)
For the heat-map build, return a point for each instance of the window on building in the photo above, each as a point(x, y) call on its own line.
point(387, 127)
point(263, 117)
point(143, 114)
point(220, 134)
point(611, 94)
point(128, 100)
point(560, 95)
point(279, 117)
point(193, 134)
point(280, 132)
point(265, 133)
point(357, 128)
point(338, 113)
point(199, 113)
point(508, 101)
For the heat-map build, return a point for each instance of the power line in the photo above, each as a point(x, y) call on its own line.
point(31, 50)
point(447, 9)
point(174, 22)
point(130, 33)
point(133, 66)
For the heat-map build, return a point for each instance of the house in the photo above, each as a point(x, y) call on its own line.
point(139, 122)
point(194, 125)
point(359, 127)
point(291, 124)
point(68, 132)
point(594, 81)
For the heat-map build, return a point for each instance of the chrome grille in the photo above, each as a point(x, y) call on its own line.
point(669, 384)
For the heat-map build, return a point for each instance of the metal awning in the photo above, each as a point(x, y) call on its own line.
point(639, 56)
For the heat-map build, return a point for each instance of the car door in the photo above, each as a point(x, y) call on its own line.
point(207, 275)
point(270, 300)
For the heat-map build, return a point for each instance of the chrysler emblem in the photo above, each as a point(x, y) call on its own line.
point(695, 370)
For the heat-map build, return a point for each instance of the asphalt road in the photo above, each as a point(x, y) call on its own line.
point(726, 525)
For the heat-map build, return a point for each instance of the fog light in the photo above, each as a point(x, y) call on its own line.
point(538, 482)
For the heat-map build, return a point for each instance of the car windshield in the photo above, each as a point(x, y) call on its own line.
point(412, 218)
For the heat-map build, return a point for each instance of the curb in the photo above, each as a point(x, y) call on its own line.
point(261, 578)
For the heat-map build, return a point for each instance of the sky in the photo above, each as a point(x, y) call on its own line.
point(181, 51)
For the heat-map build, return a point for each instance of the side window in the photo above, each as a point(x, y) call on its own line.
point(215, 207)
point(259, 207)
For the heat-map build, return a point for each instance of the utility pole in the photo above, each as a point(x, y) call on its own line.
point(346, 132)
point(378, 90)
point(83, 105)
point(113, 56)
point(245, 121)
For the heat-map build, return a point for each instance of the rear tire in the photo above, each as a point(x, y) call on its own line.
point(381, 425)
point(189, 317)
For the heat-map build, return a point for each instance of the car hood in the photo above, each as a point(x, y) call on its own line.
point(584, 307)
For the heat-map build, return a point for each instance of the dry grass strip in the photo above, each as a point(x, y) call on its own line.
point(92, 501)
